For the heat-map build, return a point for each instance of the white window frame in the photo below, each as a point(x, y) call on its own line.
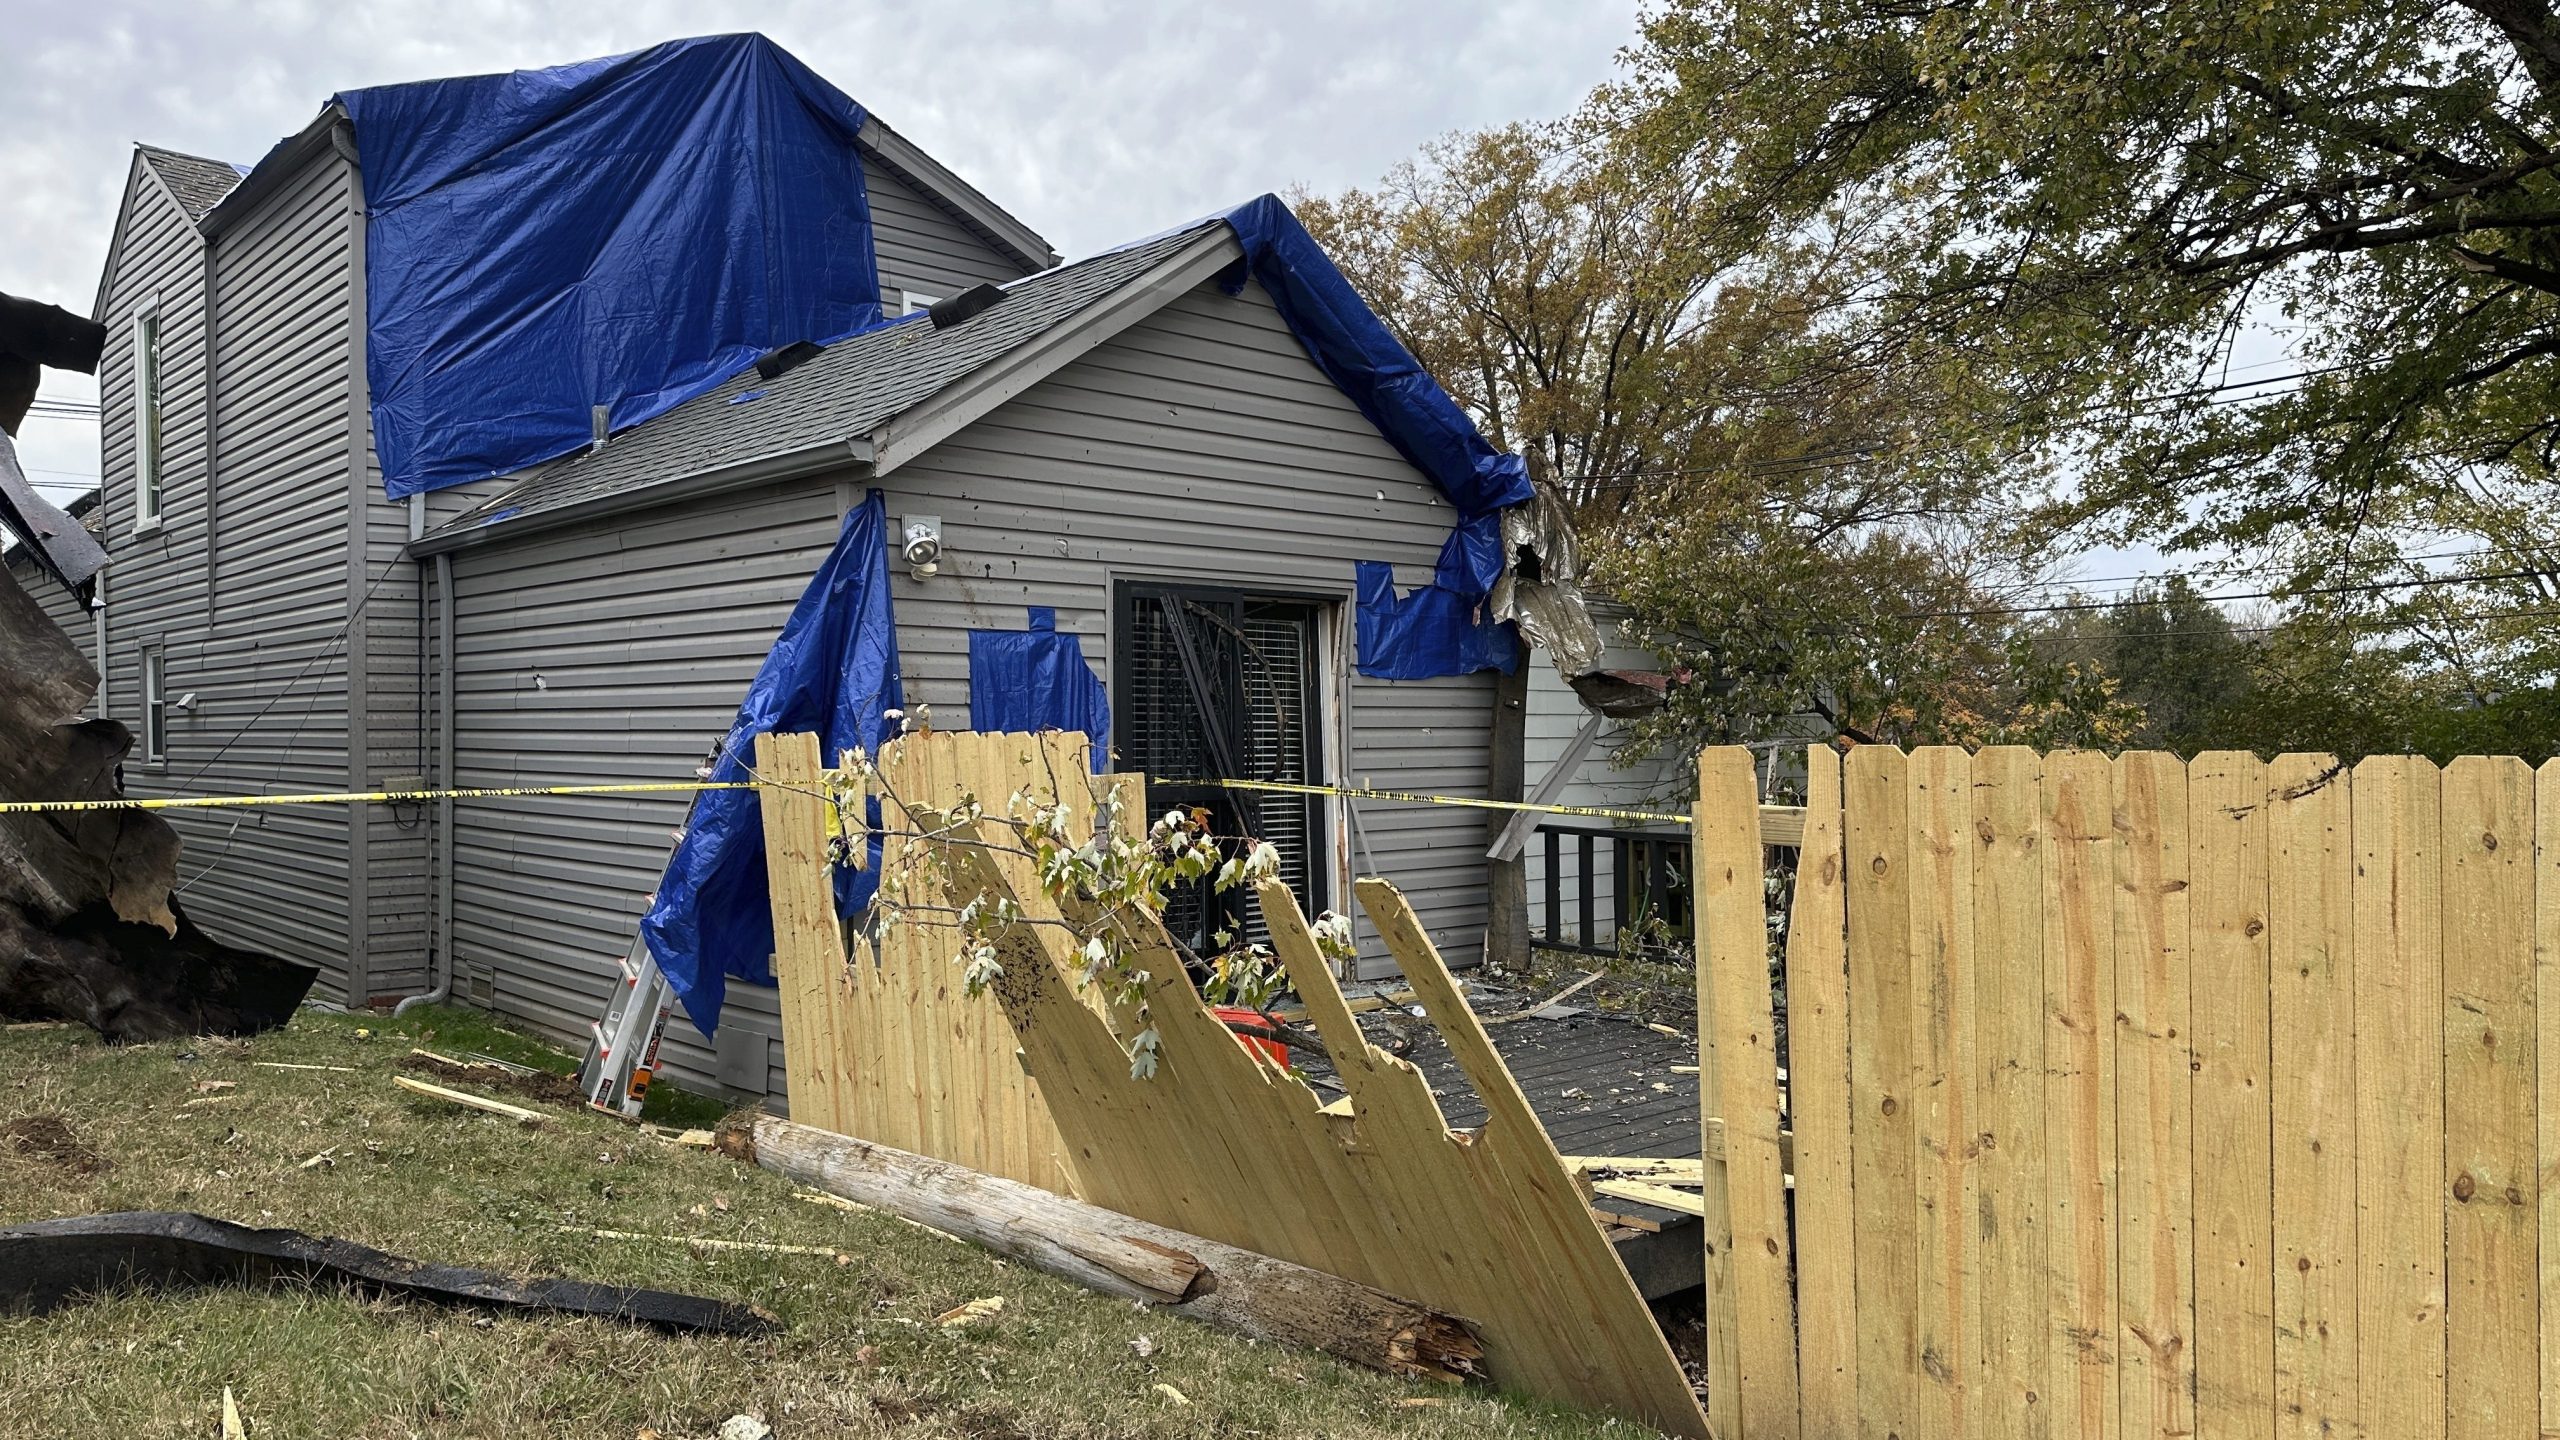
point(148, 415)
point(155, 707)
point(916, 300)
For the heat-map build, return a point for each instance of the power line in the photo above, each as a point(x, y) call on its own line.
point(2368, 587)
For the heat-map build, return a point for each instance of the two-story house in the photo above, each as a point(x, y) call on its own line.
point(1137, 442)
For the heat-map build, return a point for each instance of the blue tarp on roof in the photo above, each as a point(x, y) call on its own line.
point(1441, 628)
point(1038, 679)
point(627, 232)
point(834, 672)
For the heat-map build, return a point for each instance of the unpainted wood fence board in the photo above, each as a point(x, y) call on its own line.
point(1744, 1198)
point(2546, 984)
point(1939, 819)
point(1818, 1092)
point(2492, 1253)
point(2399, 1026)
point(2311, 959)
point(2155, 1186)
point(2080, 1117)
point(2227, 804)
point(2008, 938)
point(1880, 985)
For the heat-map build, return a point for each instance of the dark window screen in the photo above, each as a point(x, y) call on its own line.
point(1221, 684)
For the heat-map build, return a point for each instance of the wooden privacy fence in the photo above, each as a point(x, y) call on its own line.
point(1032, 1079)
point(2138, 1098)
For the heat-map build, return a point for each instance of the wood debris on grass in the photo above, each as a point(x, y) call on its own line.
point(977, 1312)
point(516, 1113)
point(286, 1065)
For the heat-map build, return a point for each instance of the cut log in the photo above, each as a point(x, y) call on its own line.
point(1203, 1280)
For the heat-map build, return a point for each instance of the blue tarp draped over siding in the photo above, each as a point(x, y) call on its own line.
point(833, 671)
point(627, 232)
point(1037, 679)
point(1440, 628)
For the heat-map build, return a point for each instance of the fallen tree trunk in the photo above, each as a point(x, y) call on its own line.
point(1213, 1283)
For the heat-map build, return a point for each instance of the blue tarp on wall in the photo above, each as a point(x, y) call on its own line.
point(833, 671)
point(1037, 679)
point(1440, 628)
point(627, 232)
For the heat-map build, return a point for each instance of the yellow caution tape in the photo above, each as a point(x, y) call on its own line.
point(1284, 787)
point(359, 797)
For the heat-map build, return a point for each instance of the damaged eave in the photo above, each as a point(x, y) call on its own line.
point(833, 455)
point(278, 166)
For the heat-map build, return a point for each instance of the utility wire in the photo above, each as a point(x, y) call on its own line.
point(2368, 587)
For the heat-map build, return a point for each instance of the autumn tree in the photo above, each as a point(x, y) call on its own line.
point(1763, 494)
point(2107, 208)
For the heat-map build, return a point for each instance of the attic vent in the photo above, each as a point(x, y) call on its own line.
point(972, 301)
point(777, 363)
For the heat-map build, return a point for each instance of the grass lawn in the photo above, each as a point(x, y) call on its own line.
point(861, 1355)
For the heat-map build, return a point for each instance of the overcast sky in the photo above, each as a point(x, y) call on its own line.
point(1095, 121)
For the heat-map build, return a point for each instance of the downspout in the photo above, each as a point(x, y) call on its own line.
point(441, 978)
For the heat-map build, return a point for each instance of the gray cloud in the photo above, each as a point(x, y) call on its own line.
point(1096, 121)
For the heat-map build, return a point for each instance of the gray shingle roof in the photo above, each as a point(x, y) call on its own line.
point(848, 391)
point(199, 184)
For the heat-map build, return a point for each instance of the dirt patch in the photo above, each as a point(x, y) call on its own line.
point(537, 1085)
point(49, 1138)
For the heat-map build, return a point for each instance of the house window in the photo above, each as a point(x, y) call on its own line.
point(155, 709)
point(915, 300)
point(146, 417)
point(1223, 684)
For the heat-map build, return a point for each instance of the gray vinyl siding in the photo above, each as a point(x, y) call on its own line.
point(608, 655)
point(1202, 445)
point(244, 589)
point(923, 247)
point(1199, 445)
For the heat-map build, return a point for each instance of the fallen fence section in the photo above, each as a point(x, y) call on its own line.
point(1488, 1226)
point(1033, 1082)
point(1199, 1279)
point(2139, 1097)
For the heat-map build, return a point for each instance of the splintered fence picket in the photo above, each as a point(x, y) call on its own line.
point(2133, 1097)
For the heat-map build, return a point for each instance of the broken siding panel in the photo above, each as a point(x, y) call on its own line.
point(1202, 445)
point(922, 247)
point(259, 637)
point(596, 656)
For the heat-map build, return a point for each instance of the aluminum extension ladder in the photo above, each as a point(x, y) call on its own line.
point(622, 1048)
